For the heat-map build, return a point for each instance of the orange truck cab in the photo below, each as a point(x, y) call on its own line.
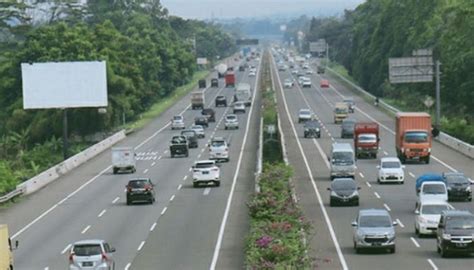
point(366, 139)
point(413, 136)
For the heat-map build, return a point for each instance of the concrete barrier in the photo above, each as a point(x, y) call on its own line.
point(53, 173)
point(450, 141)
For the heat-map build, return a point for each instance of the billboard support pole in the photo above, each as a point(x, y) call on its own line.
point(327, 54)
point(438, 98)
point(65, 140)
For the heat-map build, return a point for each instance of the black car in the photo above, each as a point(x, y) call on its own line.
point(140, 189)
point(312, 129)
point(214, 82)
point(210, 114)
point(242, 68)
point(202, 83)
point(347, 128)
point(344, 191)
point(179, 146)
point(459, 187)
point(191, 136)
point(455, 233)
point(221, 101)
point(201, 120)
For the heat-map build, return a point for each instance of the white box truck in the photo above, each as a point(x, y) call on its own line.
point(123, 159)
point(243, 93)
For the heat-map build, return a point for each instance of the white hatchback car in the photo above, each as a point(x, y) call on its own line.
point(199, 130)
point(206, 171)
point(304, 115)
point(428, 214)
point(289, 83)
point(231, 121)
point(91, 254)
point(219, 149)
point(177, 122)
point(390, 170)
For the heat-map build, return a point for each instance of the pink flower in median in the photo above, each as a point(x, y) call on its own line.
point(264, 241)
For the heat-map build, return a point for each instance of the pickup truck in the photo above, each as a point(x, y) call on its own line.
point(179, 146)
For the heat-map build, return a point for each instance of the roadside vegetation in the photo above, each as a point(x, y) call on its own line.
point(275, 239)
point(149, 55)
point(363, 40)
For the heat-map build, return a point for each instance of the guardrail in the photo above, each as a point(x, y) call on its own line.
point(446, 139)
point(11, 195)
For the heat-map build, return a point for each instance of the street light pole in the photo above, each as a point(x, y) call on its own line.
point(438, 98)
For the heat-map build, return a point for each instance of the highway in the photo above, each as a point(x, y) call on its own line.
point(332, 225)
point(186, 228)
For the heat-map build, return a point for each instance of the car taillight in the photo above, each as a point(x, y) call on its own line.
point(71, 257)
point(148, 187)
point(215, 169)
point(104, 257)
point(129, 188)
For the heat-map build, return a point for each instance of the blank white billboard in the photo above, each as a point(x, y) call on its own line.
point(64, 85)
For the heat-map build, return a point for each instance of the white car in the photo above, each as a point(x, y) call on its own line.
point(206, 171)
point(252, 74)
point(294, 71)
point(427, 216)
point(219, 149)
point(91, 254)
point(306, 82)
point(304, 115)
point(302, 79)
point(390, 170)
point(309, 71)
point(199, 130)
point(177, 122)
point(289, 83)
point(432, 190)
point(231, 121)
point(239, 106)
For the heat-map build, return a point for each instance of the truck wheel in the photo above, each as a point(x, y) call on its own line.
point(225, 128)
point(217, 183)
point(427, 160)
point(187, 154)
point(195, 184)
point(115, 170)
point(128, 202)
point(172, 156)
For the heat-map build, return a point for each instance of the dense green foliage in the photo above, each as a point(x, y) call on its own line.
point(276, 225)
point(148, 53)
point(363, 40)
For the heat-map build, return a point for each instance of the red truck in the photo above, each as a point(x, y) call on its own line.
point(230, 79)
point(413, 136)
point(366, 139)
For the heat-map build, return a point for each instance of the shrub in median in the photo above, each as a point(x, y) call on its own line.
point(276, 224)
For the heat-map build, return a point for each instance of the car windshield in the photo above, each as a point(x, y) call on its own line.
point(349, 101)
point(204, 165)
point(177, 118)
point(137, 183)
point(434, 189)
point(390, 164)
point(311, 124)
point(188, 133)
point(304, 112)
point(375, 221)
point(343, 185)
point(416, 137)
point(367, 138)
point(217, 143)
point(456, 179)
point(341, 110)
point(460, 223)
point(342, 158)
point(348, 124)
point(87, 250)
point(197, 128)
point(288, 80)
point(231, 117)
point(434, 209)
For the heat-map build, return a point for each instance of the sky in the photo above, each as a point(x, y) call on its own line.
point(225, 9)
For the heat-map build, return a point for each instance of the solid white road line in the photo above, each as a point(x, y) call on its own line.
point(400, 223)
point(386, 207)
point(59, 203)
point(66, 249)
point(206, 191)
point(368, 184)
point(102, 213)
point(86, 229)
point(377, 195)
point(234, 181)
point(128, 266)
point(415, 242)
point(361, 175)
point(411, 174)
point(153, 227)
point(115, 200)
point(432, 264)
point(141, 246)
point(180, 186)
point(172, 198)
point(318, 195)
point(164, 210)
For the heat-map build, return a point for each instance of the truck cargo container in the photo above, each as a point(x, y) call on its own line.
point(366, 139)
point(6, 248)
point(413, 136)
point(230, 79)
point(243, 94)
point(197, 100)
point(221, 70)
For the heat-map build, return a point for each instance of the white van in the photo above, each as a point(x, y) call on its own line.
point(432, 191)
point(123, 159)
point(342, 161)
point(243, 93)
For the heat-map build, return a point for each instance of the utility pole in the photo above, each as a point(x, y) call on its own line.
point(438, 95)
point(327, 54)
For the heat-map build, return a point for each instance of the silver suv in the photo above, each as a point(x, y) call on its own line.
point(91, 254)
point(374, 229)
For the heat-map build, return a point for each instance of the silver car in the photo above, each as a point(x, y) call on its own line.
point(91, 254)
point(374, 229)
point(231, 121)
point(177, 122)
point(199, 131)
